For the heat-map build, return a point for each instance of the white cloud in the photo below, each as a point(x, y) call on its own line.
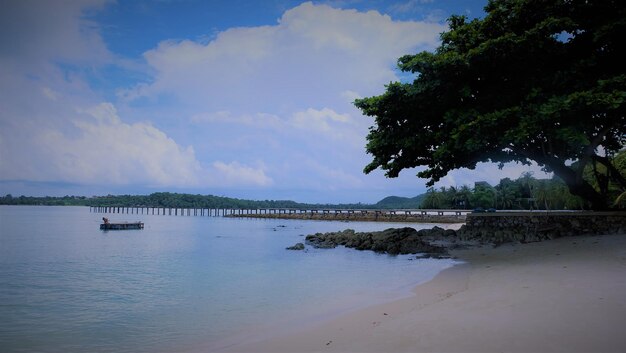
point(291, 83)
point(308, 124)
point(339, 132)
point(350, 96)
point(269, 106)
point(324, 120)
point(104, 149)
point(313, 55)
point(238, 174)
point(258, 120)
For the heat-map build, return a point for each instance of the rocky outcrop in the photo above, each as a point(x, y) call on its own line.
point(496, 228)
point(298, 246)
point(391, 241)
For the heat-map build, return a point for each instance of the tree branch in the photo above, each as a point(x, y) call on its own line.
point(590, 152)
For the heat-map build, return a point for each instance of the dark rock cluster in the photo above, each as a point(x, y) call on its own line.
point(479, 229)
point(298, 246)
point(392, 241)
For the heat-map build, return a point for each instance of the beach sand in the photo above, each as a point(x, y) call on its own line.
point(563, 295)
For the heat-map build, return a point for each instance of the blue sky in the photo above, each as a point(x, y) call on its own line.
point(248, 99)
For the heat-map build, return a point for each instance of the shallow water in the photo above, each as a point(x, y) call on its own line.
point(179, 284)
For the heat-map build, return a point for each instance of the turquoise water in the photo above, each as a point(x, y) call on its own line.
point(181, 284)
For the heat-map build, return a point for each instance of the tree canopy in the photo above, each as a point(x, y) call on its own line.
point(168, 199)
point(526, 192)
point(534, 80)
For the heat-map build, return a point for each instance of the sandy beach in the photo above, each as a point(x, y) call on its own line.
point(563, 295)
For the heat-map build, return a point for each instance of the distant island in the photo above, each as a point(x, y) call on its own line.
point(179, 200)
point(526, 192)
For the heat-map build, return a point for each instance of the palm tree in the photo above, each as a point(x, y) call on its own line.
point(433, 199)
point(508, 191)
point(464, 196)
point(542, 193)
point(527, 182)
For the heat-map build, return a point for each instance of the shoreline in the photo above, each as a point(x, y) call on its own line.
point(356, 217)
point(562, 295)
point(309, 317)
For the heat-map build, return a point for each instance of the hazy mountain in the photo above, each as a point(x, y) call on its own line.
point(400, 202)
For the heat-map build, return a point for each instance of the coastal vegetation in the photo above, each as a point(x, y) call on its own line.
point(180, 200)
point(164, 199)
point(525, 192)
point(540, 82)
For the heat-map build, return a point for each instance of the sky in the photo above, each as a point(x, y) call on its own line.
point(247, 99)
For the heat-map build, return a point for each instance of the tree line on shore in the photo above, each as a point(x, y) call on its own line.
point(167, 200)
point(526, 192)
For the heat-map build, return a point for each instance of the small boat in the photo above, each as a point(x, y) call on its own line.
point(120, 226)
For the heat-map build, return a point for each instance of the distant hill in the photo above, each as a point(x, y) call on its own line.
point(400, 202)
point(167, 199)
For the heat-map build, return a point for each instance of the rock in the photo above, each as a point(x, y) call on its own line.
point(298, 246)
point(522, 228)
point(391, 241)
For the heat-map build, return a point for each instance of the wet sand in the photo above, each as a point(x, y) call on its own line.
point(563, 295)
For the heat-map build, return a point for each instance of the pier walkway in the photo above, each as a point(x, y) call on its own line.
point(409, 215)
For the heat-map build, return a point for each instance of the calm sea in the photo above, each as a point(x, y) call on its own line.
point(183, 283)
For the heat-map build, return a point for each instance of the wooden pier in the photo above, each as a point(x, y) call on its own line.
point(398, 215)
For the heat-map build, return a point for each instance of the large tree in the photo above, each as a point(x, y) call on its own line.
point(534, 80)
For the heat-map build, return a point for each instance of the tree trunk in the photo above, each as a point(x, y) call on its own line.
point(597, 201)
point(577, 186)
point(615, 174)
